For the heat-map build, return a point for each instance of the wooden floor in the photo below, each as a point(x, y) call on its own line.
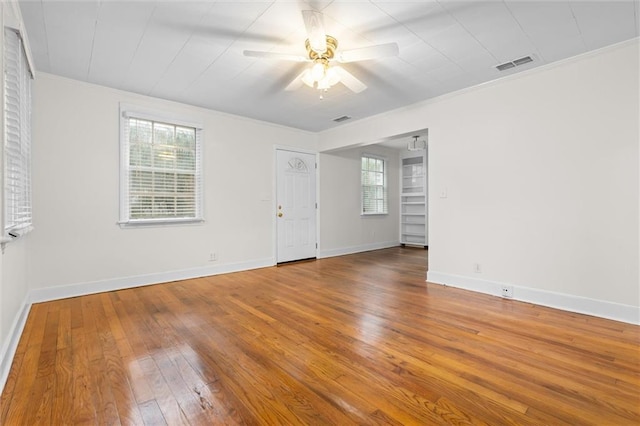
point(358, 339)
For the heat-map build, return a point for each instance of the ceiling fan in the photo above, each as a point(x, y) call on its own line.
point(322, 53)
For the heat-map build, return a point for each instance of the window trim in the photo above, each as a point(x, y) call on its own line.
point(132, 111)
point(385, 186)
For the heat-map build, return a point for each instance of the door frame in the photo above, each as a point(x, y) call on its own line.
point(274, 204)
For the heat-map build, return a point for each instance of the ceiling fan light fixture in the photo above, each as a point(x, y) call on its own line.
point(320, 75)
point(307, 79)
point(323, 84)
point(317, 71)
point(331, 76)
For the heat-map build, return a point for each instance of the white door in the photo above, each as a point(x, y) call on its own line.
point(295, 205)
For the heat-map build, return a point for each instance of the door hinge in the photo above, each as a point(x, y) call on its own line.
point(316, 205)
point(316, 245)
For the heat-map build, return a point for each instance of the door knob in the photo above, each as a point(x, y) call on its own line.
point(280, 214)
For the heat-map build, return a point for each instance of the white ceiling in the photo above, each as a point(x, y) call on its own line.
point(191, 52)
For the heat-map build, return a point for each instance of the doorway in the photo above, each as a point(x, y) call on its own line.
point(296, 206)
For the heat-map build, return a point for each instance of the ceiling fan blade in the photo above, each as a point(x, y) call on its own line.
point(369, 52)
point(314, 23)
point(349, 80)
point(275, 55)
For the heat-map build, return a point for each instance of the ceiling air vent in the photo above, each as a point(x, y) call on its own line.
point(514, 63)
point(341, 119)
point(523, 61)
point(505, 66)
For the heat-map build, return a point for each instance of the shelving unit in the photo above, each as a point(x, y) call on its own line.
point(413, 198)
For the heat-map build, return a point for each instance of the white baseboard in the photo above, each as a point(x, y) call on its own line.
point(357, 249)
point(567, 302)
point(81, 289)
point(10, 345)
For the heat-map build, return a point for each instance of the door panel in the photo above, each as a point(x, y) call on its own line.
point(296, 205)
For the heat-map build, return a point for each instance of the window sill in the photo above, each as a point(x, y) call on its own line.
point(373, 214)
point(149, 223)
point(13, 235)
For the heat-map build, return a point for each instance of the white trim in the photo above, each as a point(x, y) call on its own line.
point(128, 110)
point(294, 149)
point(319, 206)
point(566, 302)
point(15, 21)
point(357, 249)
point(159, 222)
point(10, 345)
point(82, 289)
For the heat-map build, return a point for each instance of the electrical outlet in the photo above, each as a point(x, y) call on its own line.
point(213, 257)
point(507, 291)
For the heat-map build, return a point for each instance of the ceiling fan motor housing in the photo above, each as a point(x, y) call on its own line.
point(332, 45)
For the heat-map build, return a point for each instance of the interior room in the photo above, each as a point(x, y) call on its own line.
point(365, 212)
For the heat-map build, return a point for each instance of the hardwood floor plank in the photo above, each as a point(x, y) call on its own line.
point(42, 395)
point(358, 339)
point(82, 387)
point(275, 352)
point(103, 398)
point(77, 317)
point(61, 413)
point(152, 416)
point(63, 340)
point(30, 349)
point(273, 397)
point(169, 406)
point(131, 348)
point(209, 396)
point(115, 365)
point(187, 399)
point(16, 368)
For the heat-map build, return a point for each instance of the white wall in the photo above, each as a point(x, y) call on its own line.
point(541, 171)
point(77, 242)
point(342, 228)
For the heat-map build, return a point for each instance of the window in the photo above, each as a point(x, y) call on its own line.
point(160, 170)
point(16, 215)
point(374, 185)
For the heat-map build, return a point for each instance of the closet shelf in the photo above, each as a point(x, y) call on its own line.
point(413, 204)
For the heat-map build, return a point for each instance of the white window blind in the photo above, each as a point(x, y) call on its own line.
point(17, 212)
point(374, 185)
point(161, 175)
